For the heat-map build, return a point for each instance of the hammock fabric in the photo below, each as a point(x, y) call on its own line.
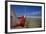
point(21, 21)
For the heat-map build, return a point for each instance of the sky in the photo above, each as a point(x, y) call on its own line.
point(21, 10)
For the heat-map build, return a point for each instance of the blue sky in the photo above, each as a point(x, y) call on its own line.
point(21, 10)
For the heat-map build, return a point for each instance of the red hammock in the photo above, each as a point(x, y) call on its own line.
point(21, 21)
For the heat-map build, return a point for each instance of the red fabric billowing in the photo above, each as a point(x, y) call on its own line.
point(21, 21)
